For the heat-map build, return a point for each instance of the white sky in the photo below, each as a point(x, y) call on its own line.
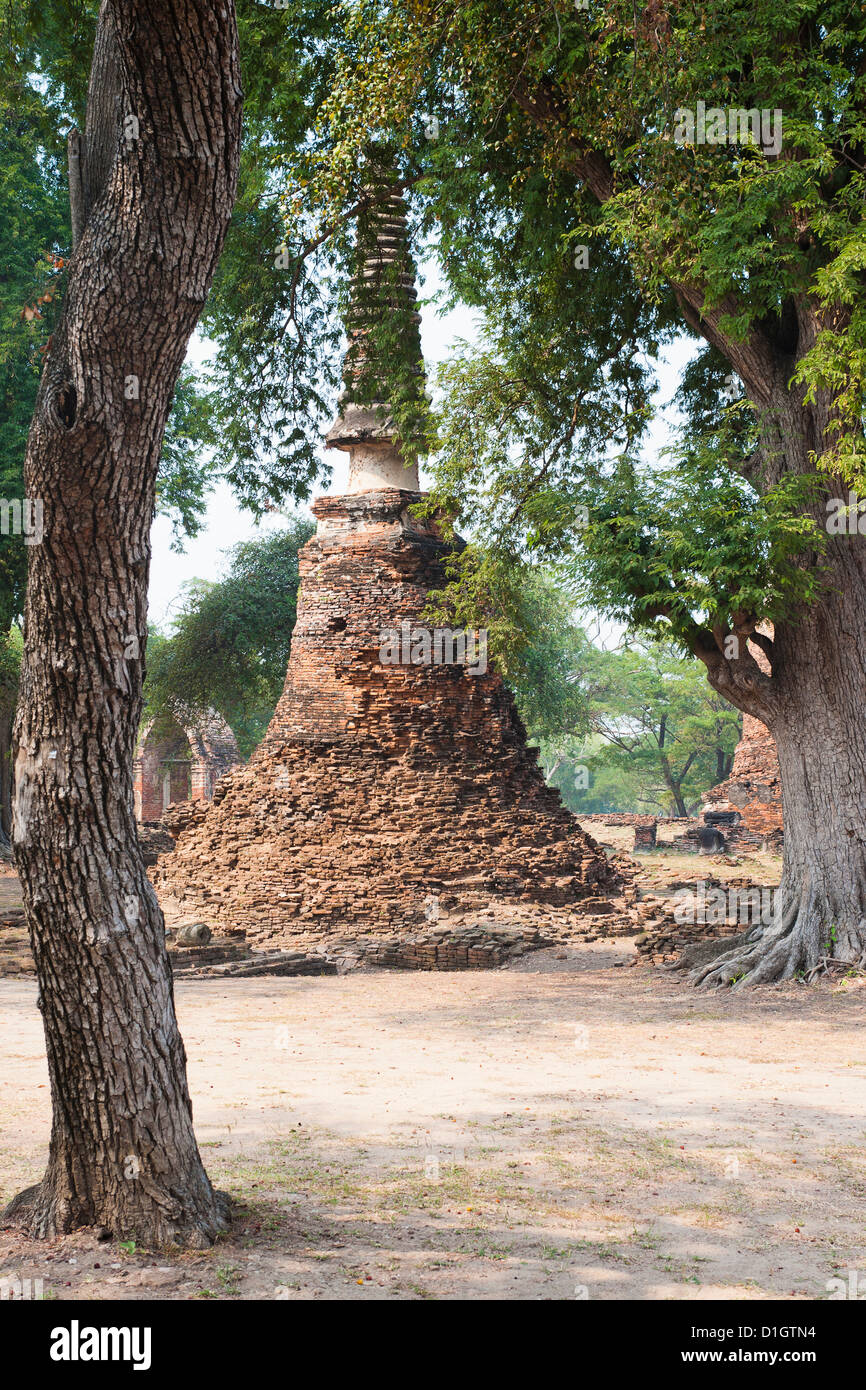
point(226, 523)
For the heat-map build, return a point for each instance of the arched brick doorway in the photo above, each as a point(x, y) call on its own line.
point(174, 763)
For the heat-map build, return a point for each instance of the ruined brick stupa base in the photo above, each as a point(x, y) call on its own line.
point(753, 791)
point(384, 798)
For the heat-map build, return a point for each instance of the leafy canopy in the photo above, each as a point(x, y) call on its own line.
point(229, 645)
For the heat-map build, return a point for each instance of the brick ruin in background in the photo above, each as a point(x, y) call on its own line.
point(742, 813)
point(386, 798)
point(177, 762)
point(754, 788)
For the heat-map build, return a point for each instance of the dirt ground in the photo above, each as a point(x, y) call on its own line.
point(565, 1128)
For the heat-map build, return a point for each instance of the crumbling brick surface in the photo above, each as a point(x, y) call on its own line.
point(754, 787)
point(381, 795)
point(620, 818)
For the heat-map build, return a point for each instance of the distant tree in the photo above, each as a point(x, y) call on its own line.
point(229, 645)
point(11, 646)
point(662, 727)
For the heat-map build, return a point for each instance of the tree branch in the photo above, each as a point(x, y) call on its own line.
point(75, 158)
point(752, 359)
point(102, 130)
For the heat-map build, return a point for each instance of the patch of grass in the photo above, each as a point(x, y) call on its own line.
point(228, 1277)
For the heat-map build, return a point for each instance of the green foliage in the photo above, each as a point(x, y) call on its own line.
point(229, 646)
point(33, 236)
point(274, 381)
point(45, 52)
point(693, 544)
point(541, 430)
point(533, 638)
point(660, 730)
point(187, 469)
point(11, 649)
point(539, 107)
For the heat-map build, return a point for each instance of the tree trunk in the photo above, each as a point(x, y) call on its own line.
point(814, 707)
point(724, 763)
point(676, 792)
point(7, 714)
point(160, 190)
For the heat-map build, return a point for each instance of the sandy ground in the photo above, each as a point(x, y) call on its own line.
point(566, 1128)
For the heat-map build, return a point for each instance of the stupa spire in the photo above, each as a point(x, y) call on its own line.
point(383, 371)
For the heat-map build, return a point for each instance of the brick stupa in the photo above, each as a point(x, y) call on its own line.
point(383, 796)
point(754, 788)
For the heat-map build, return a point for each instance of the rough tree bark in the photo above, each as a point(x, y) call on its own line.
point(158, 193)
point(813, 702)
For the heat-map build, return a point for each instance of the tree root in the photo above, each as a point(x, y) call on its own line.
point(793, 946)
point(829, 965)
point(39, 1212)
point(19, 1211)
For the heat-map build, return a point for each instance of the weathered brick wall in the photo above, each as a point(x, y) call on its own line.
point(754, 787)
point(378, 789)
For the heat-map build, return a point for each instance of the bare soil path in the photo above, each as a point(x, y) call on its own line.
point(565, 1128)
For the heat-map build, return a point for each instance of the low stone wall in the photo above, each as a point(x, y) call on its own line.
point(617, 818)
point(466, 948)
point(663, 943)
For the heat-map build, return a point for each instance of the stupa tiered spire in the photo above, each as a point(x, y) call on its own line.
point(383, 369)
